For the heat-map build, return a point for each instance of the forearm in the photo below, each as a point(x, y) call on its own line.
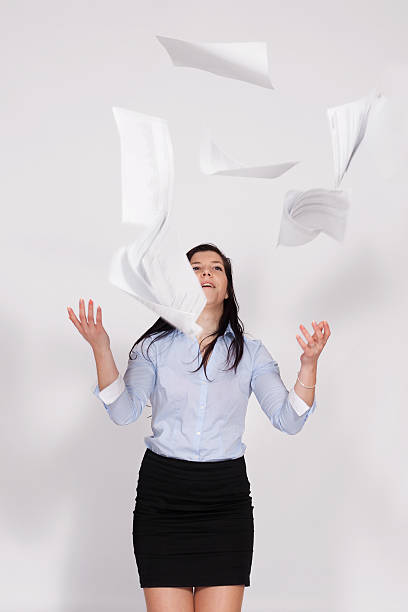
point(307, 375)
point(105, 367)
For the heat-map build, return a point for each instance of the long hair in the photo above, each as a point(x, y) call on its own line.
point(162, 328)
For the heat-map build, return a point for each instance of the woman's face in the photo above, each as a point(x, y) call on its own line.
point(209, 268)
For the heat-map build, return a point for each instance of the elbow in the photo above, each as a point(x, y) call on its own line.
point(127, 421)
point(124, 422)
point(289, 421)
point(289, 431)
point(130, 415)
point(290, 426)
point(293, 432)
point(118, 420)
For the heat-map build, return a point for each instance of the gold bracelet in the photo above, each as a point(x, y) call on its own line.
point(306, 387)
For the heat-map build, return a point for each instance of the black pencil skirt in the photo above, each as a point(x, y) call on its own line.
point(193, 522)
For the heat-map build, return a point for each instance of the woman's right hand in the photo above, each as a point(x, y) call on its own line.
point(94, 333)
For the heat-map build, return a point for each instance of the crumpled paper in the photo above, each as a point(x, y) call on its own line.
point(307, 213)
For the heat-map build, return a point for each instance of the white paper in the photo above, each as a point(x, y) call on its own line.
point(245, 61)
point(387, 138)
point(147, 166)
point(214, 161)
point(348, 124)
point(307, 213)
point(153, 269)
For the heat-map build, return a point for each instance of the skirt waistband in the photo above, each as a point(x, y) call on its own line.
point(186, 464)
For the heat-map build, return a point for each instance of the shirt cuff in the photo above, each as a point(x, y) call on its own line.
point(110, 393)
point(298, 404)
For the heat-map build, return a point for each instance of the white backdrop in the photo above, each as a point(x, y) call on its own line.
point(329, 503)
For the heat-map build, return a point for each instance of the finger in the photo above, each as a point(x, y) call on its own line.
point(82, 312)
point(72, 316)
point(317, 330)
point(326, 329)
point(326, 335)
point(90, 312)
point(300, 340)
point(307, 335)
point(75, 320)
point(99, 316)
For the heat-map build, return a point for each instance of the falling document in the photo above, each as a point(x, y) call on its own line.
point(307, 213)
point(244, 61)
point(214, 161)
point(348, 125)
point(153, 269)
point(387, 139)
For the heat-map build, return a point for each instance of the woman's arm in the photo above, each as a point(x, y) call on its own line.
point(125, 397)
point(287, 411)
point(307, 374)
point(311, 352)
point(105, 367)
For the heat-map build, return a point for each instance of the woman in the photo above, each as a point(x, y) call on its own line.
point(193, 528)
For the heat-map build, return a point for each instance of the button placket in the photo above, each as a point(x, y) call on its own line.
point(201, 411)
point(202, 404)
point(211, 366)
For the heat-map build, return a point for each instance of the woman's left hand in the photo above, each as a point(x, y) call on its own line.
point(315, 344)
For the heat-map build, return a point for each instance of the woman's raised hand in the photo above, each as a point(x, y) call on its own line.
point(94, 333)
point(314, 344)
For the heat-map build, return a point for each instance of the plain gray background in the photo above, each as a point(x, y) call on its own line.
point(330, 503)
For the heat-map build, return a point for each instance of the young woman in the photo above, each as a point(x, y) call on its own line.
point(193, 526)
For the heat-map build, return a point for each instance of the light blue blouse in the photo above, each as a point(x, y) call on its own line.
point(197, 419)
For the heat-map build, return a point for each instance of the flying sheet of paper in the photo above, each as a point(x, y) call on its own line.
point(387, 138)
point(244, 61)
point(307, 213)
point(348, 124)
point(153, 269)
point(214, 161)
point(146, 166)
